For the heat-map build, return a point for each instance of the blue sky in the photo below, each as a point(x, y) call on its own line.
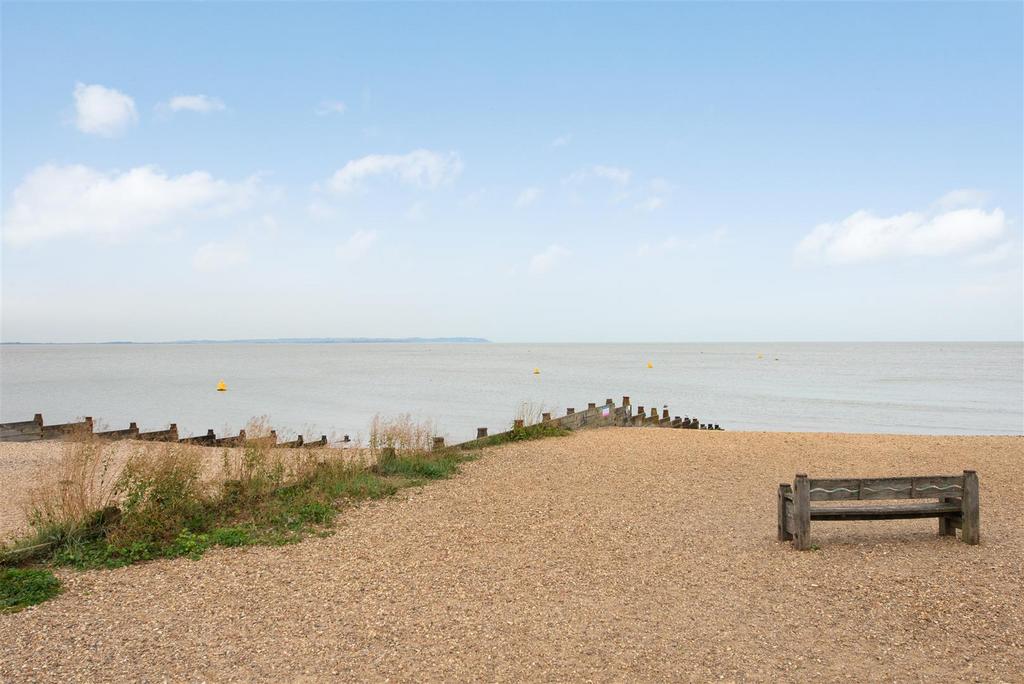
point(522, 172)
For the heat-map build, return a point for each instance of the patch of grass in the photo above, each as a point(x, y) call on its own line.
point(25, 587)
point(231, 536)
point(427, 466)
point(527, 432)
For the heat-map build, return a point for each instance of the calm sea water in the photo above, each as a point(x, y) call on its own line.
point(961, 388)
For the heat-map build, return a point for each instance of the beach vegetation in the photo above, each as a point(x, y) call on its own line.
point(172, 500)
point(22, 587)
point(97, 507)
point(524, 433)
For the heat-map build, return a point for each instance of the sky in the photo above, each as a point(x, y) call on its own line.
point(521, 172)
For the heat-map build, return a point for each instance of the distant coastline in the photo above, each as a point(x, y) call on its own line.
point(300, 340)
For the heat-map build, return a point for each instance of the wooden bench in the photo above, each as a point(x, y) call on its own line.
point(955, 503)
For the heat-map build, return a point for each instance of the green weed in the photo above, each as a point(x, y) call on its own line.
point(25, 587)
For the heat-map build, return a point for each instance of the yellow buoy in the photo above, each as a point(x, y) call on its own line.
point(221, 387)
point(536, 371)
point(650, 365)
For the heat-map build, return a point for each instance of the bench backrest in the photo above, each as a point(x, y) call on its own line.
point(925, 487)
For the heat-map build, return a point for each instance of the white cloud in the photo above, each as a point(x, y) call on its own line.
point(528, 196)
point(543, 262)
point(195, 103)
point(219, 256)
point(103, 111)
point(862, 236)
point(615, 174)
point(420, 168)
point(356, 247)
point(331, 107)
point(62, 201)
point(562, 140)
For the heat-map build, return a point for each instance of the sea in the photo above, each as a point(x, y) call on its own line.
point(336, 389)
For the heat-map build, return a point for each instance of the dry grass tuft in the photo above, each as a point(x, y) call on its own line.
point(402, 434)
point(68, 493)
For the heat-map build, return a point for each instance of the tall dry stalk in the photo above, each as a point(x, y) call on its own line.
point(401, 433)
point(69, 492)
point(530, 413)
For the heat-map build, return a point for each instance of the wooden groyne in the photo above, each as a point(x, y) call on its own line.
point(595, 415)
point(603, 415)
point(36, 430)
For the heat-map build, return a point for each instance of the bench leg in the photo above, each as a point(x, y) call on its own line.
point(802, 512)
point(970, 509)
point(784, 533)
point(946, 526)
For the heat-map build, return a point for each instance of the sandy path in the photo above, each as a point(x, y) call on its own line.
point(619, 554)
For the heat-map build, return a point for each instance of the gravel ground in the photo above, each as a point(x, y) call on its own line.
point(613, 555)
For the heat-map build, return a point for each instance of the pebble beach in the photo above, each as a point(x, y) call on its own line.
point(618, 554)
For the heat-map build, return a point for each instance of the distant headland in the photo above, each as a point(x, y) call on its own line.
point(303, 340)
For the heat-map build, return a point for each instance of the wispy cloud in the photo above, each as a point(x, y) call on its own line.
point(203, 104)
point(651, 203)
point(965, 197)
point(417, 211)
point(357, 246)
point(528, 196)
point(667, 245)
point(331, 107)
point(615, 174)
point(993, 285)
point(420, 168)
point(219, 256)
point(863, 237)
point(562, 140)
point(544, 261)
point(63, 201)
point(103, 111)
point(994, 256)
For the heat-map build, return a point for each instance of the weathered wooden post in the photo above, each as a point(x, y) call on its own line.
point(654, 413)
point(518, 424)
point(591, 406)
point(971, 530)
point(625, 400)
point(609, 402)
point(664, 414)
point(570, 411)
point(481, 432)
point(438, 443)
point(784, 489)
point(802, 512)
point(545, 417)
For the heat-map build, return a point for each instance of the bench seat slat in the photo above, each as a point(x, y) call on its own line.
point(924, 510)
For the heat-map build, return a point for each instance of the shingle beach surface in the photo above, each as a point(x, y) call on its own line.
point(619, 554)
